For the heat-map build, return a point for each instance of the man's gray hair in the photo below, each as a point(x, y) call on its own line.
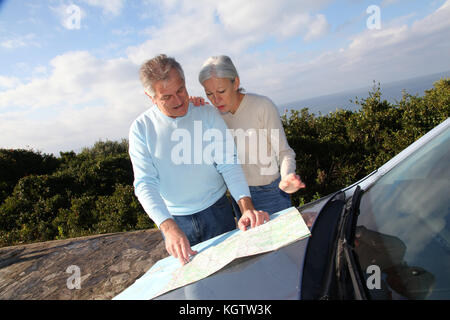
point(157, 69)
point(218, 67)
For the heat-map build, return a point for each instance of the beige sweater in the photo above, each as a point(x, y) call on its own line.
point(261, 145)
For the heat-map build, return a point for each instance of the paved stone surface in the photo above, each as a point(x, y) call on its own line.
point(107, 265)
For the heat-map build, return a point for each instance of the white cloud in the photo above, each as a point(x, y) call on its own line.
point(228, 26)
point(77, 77)
point(317, 28)
point(20, 41)
point(290, 17)
point(123, 32)
point(9, 82)
point(82, 100)
point(402, 45)
point(40, 69)
point(386, 3)
point(113, 7)
point(188, 34)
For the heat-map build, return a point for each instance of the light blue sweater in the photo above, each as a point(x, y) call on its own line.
point(175, 172)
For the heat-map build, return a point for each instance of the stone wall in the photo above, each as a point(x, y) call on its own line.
point(107, 264)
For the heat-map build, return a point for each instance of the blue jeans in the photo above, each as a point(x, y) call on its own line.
point(208, 223)
point(269, 198)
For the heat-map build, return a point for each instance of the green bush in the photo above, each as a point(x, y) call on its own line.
point(121, 211)
point(89, 193)
point(338, 149)
point(16, 164)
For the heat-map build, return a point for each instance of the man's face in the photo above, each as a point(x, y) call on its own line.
point(171, 95)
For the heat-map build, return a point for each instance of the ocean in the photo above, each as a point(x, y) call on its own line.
point(391, 92)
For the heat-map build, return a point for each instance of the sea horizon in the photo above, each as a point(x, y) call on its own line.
point(392, 92)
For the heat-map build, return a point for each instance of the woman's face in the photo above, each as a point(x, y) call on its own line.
point(223, 93)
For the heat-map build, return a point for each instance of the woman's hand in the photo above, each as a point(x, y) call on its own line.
point(291, 183)
point(198, 101)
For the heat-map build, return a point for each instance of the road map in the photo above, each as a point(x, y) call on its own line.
point(284, 228)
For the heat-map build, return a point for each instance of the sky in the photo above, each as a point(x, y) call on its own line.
point(69, 69)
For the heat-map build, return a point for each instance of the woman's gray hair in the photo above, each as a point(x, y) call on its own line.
point(157, 69)
point(218, 67)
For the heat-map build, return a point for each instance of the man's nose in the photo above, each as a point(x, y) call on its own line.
point(178, 99)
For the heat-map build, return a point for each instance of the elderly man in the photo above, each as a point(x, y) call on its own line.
point(186, 199)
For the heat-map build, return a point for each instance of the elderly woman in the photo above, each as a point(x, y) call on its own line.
point(250, 112)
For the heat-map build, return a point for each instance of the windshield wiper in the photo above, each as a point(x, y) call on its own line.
point(343, 253)
point(345, 249)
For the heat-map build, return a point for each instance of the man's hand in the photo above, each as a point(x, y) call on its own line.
point(250, 217)
point(198, 101)
point(177, 244)
point(291, 183)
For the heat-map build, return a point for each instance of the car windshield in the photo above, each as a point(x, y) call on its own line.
point(402, 237)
